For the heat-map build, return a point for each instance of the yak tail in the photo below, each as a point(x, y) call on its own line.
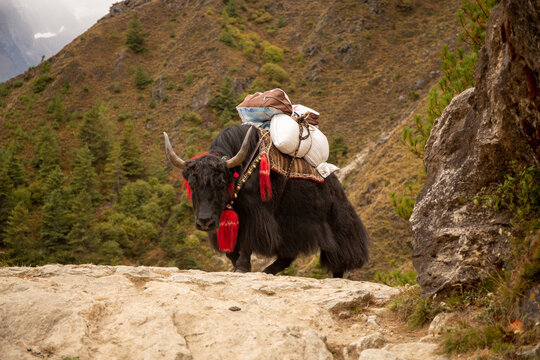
point(351, 237)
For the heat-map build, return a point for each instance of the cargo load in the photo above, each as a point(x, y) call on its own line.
point(293, 128)
point(257, 109)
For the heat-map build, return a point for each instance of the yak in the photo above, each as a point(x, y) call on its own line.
point(302, 217)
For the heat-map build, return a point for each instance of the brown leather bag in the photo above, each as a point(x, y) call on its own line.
point(275, 98)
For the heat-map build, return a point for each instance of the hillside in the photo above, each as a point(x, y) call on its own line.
point(365, 66)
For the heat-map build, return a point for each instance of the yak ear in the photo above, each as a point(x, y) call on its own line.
point(171, 155)
point(242, 153)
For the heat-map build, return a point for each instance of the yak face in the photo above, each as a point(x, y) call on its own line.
point(208, 177)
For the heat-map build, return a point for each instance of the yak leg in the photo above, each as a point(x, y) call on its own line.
point(337, 274)
point(278, 265)
point(233, 256)
point(243, 262)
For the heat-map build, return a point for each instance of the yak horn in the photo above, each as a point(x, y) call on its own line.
point(173, 158)
point(242, 153)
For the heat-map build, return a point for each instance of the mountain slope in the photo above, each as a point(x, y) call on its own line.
point(363, 65)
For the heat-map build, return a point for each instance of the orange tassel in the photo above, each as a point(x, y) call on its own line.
point(228, 230)
point(264, 178)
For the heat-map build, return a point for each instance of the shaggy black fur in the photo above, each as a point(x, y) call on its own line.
point(307, 217)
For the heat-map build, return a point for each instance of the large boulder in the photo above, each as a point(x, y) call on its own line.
point(471, 145)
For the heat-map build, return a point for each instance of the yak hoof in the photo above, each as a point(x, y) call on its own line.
point(239, 270)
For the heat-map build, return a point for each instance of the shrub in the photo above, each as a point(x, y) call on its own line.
point(18, 84)
point(464, 338)
point(226, 37)
point(272, 54)
point(274, 72)
point(300, 60)
point(247, 46)
point(4, 90)
point(396, 278)
point(263, 17)
point(231, 9)
point(519, 192)
point(116, 88)
point(124, 115)
point(189, 78)
point(338, 149)
point(404, 205)
point(191, 117)
point(41, 82)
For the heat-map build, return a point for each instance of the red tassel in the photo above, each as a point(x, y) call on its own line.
point(264, 178)
point(188, 190)
point(228, 230)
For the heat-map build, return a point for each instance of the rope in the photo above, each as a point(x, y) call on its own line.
point(254, 162)
point(301, 121)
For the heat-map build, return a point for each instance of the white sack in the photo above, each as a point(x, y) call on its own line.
point(320, 149)
point(285, 134)
point(325, 169)
point(300, 110)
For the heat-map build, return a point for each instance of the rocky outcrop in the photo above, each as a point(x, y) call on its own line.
point(471, 145)
point(106, 312)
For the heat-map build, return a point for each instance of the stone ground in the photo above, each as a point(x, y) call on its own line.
point(106, 312)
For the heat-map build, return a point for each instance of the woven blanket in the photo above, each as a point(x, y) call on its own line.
point(280, 162)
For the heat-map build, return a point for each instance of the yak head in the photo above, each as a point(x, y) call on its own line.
point(208, 177)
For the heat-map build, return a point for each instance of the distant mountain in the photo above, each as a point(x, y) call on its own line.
point(16, 39)
point(31, 30)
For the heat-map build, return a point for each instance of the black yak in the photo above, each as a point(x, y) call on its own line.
point(302, 216)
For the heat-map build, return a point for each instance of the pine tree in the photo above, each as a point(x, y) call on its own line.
point(11, 176)
point(113, 176)
point(55, 221)
point(15, 167)
point(56, 107)
point(473, 17)
point(95, 134)
point(47, 155)
point(20, 249)
point(135, 35)
point(458, 72)
point(84, 177)
point(142, 79)
point(225, 101)
point(81, 238)
point(6, 195)
point(130, 154)
point(157, 166)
